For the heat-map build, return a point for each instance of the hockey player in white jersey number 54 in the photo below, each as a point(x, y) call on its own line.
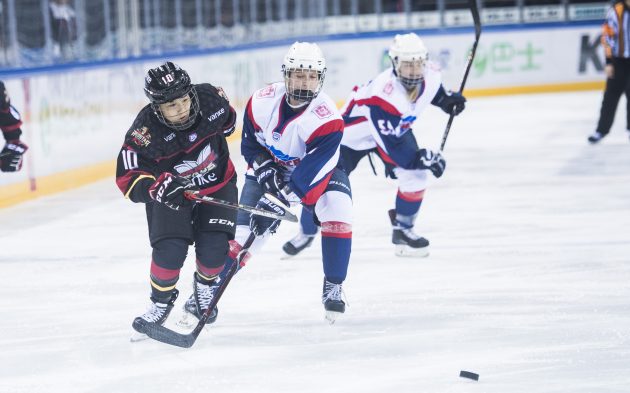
point(378, 118)
point(291, 136)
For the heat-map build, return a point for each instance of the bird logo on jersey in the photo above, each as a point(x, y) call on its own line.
point(197, 170)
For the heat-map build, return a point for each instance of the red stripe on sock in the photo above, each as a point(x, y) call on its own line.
point(163, 274)
point(411, 196)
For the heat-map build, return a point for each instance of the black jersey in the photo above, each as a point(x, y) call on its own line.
point(10, 121)
point(199, 153)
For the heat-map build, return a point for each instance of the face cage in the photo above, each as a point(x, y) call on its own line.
point(192, 116)
point(303, 96)
point(408, 83)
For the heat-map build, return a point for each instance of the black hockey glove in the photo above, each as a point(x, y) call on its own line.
point(451, 102)
point(259, 225)
point(426, 159)
point(268, 175)
point(11, 157)
point(169, 190)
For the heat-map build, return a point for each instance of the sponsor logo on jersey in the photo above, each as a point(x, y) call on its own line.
point(322, 111)
point(199, 170)
point(141, 136)
point(266, 92)
point(169, 137)
point(282, 158)
point(221, 221)
point(406, 123)
point(388, 88)
point(216, 114)
point(192, 137)
point(339, 184)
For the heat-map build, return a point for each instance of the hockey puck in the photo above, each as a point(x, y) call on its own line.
point(469, 375)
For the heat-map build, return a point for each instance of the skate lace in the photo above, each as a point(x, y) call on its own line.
point(410, 233)
point(154, 312)
point(205, 294)
point(333, 292)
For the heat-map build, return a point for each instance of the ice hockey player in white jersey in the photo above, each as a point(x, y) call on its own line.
point(291, 136)
point(379, 117)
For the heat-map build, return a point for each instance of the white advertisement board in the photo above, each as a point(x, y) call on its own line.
point(78, 117)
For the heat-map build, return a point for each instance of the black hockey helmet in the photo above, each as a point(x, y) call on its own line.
point(166, 83)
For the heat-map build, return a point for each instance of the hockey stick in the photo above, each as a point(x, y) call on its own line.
point(288, 216)
point(471, 56)
point(168, 336)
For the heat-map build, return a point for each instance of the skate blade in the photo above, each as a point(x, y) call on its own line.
point(286, 256)
point(137, 336)
point(405, 251)
point(331, 316)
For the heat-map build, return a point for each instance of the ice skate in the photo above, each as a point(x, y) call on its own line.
point(407, 243)
point(296, 245)
point(199, 301)
point(595, 137)
point(157, 312)
point(332, 299)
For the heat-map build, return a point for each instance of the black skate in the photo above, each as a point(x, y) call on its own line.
point(408, 243)
point(333, 303)
point(156, 313)
point(595, 137)
point(297, 244)
point(199, 301)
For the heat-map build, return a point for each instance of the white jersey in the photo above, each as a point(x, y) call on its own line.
point(382, 109)
point(304, 143)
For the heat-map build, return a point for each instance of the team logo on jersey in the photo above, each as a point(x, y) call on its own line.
point(388, 88)
point(276, 136)
point(141, 136)
point(266, 92)
point(192, 137)
point(322, 111)
point(221, 92)
point(199, 171)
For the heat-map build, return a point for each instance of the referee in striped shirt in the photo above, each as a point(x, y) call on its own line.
point(616, 42)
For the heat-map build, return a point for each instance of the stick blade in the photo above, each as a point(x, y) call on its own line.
point(168, 336)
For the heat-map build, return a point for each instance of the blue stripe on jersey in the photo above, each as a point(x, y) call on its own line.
point(319, 152)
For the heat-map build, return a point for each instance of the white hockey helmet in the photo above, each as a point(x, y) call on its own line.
point(303, 56)
point(408, 48)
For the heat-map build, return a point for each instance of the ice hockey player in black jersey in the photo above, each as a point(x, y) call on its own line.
point(11, 156)
point(177, 144)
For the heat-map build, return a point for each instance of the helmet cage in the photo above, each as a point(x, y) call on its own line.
point(167, 83)
point(303, 57)
point(408, 82)
point(408, 48)
point(298, 94)
point(192, 116)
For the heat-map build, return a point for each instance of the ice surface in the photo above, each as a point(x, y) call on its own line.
point(528, 282)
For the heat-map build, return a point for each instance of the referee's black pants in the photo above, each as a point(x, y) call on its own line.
point(615, 86)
